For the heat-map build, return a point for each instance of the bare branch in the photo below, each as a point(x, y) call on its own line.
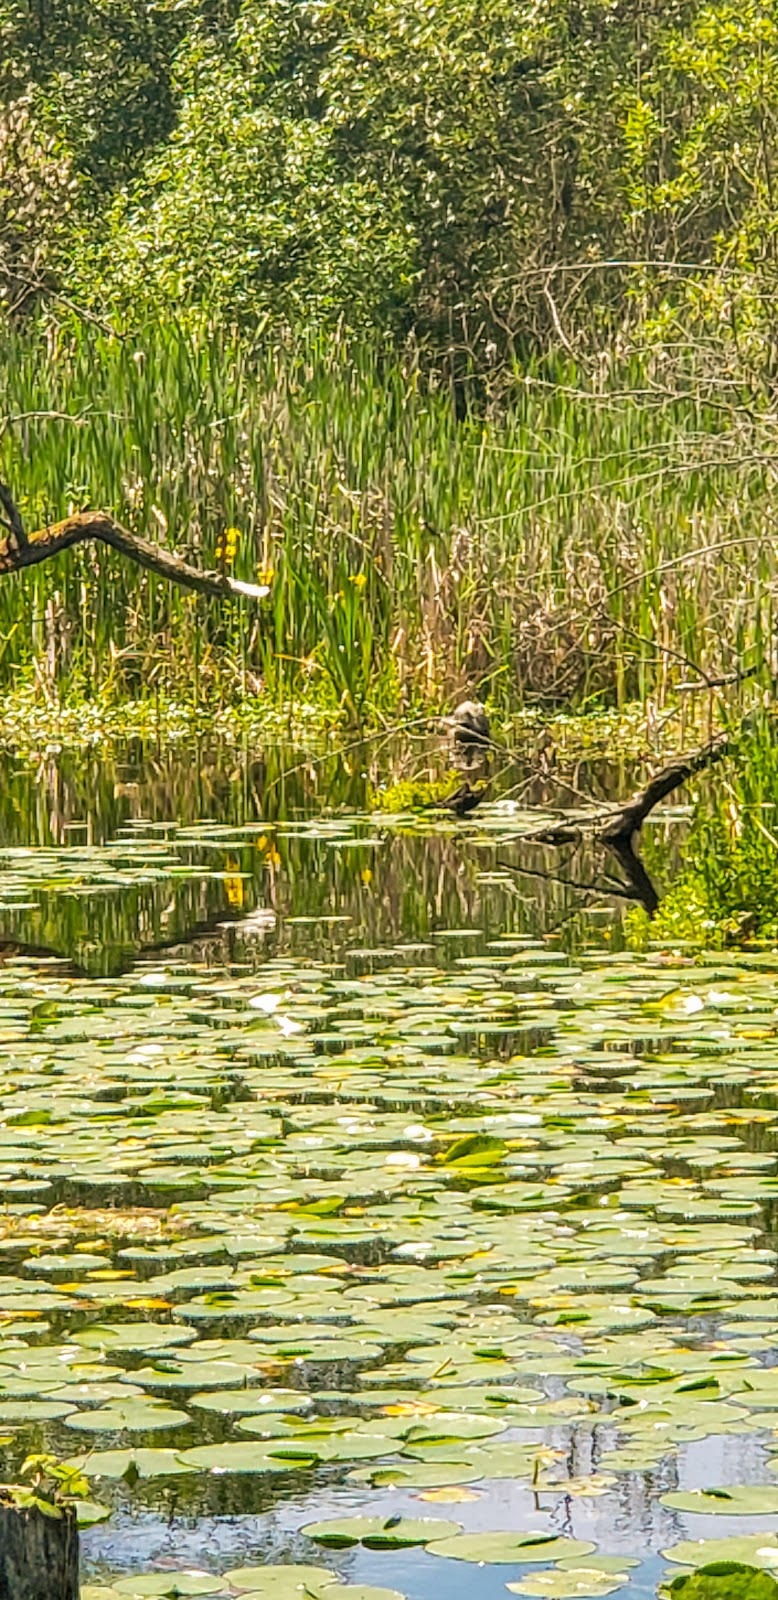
point(15, 554)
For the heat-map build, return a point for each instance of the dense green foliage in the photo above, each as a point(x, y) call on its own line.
point(724, 1580)
point(473, 173)
point(460, 315)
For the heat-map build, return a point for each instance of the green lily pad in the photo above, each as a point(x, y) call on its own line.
point(254, 1456)
point(251, 1402)
point(379, 1533)
point(134, 1416)
point(509, 1548)
point(358, 1591)
point(89, 1512)
point(164, 1584)
point(133, 1336)
point(131, 1464)
point(754, 1549)
point(570, 1584)
point(742, 1500)
point(280, 1582)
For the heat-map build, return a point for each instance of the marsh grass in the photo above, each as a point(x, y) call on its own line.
point(582, 541)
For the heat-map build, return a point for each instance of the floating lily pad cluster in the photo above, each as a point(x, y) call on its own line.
point(403, 1216)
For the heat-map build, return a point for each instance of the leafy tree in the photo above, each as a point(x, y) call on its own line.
point(492, 176)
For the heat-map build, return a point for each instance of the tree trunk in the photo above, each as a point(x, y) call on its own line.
point(38, 1554)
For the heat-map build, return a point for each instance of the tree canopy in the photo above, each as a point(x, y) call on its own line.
point(485, 174)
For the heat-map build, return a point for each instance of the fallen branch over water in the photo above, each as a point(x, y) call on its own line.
point(619, 827)
point(21, 549)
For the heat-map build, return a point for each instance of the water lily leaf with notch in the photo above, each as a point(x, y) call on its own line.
point(252, 1402)
point(509, 1548)
point(253, 1456)
point(379, 1533)
point(167, 1584)
point(280, 1582)
point(754, 1549)
point(509, 1460)
point(446, 1425)
point(356, 1591)
point(31, 1411)
point(405, 1475)
point(741, 1500)
point(133, 1336)
point(328, 1447)
point(131, 1464)
point(598, 1563)
point(133, 1416)
point(89, 1512)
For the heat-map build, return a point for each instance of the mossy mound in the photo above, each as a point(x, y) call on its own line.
point(724, 1580)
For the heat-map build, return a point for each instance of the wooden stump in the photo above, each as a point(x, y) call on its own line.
point(38, 1554)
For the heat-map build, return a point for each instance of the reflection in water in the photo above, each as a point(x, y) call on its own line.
point(165, 879)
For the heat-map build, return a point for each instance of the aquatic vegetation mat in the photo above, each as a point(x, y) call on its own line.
point(451, 1244)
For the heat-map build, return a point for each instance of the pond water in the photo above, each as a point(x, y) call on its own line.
point(373, 1218)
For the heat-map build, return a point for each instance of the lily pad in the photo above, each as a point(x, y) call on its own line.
point(280, 1582)
point(167, 1584)
point(509, 1548)
point(570, 1584)
point(377, 1533)
point(741, 1500)
point(756, 1550)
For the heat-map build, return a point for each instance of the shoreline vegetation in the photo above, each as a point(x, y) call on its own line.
point(438, 343)
point(587, 540)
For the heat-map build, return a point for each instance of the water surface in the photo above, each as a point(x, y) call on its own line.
point(353, 1166)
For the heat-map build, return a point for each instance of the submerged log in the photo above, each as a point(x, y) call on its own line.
point(38, 1553)
point(22, 549)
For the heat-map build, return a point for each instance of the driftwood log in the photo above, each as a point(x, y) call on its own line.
point(21, 549)
point(38, 1553)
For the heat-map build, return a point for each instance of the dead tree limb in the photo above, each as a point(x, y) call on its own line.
point(13, 521)
point(619, 827)
point(619, 830)
point(21, 549)
point(622, 827)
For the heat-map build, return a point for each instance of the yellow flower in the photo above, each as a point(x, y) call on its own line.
point(359, 579)
point(227, 546)
point(233, 883)
point(366, 876)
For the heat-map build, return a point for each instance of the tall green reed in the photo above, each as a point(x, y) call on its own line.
point(582, 538)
